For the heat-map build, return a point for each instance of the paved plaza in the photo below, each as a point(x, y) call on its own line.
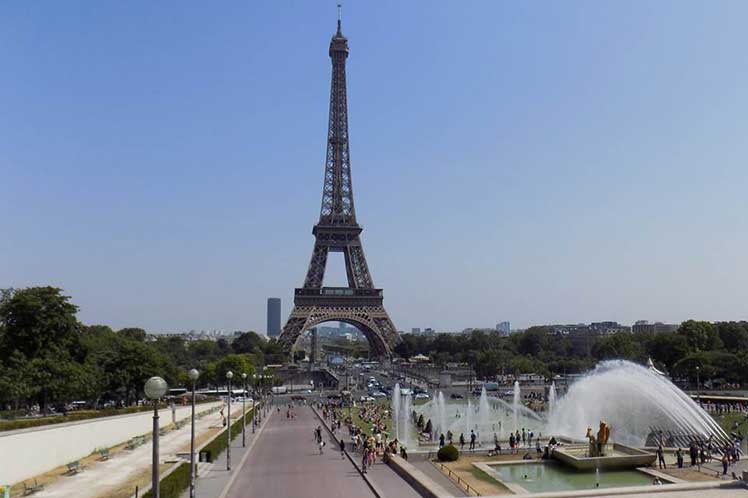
point(285, 462)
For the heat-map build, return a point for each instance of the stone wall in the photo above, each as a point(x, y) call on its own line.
point(29, 452)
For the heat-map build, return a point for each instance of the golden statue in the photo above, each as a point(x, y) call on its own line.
point(598, 444)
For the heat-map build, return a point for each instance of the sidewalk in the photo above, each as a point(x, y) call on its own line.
point(213, 477)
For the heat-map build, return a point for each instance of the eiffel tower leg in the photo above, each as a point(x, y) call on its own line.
point(294, 327)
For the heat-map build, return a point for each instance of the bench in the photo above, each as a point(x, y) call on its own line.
point(33, 488)
point(104, 452)
point(135, 442)
point(74, 467)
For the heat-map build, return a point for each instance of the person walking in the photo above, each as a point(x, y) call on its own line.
point(342, 448)
point(321, 446)
point(661, 457)
point(462, 441)
point(472, 440)
point(364, 460)
point(441, 440)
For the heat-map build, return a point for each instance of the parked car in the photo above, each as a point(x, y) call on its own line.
point(379, 394)
point(423, 396)
point(456, 396)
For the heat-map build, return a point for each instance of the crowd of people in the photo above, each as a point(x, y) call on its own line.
point(371, 441)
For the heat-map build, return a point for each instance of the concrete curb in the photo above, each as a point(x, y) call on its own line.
point(422, 483)
point(374, 489)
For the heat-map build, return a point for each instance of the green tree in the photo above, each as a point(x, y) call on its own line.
point(37, 320)
point(701, 336)
point(667, 348)
point(247, 342)
point(236, 363)
point(41, 332)
point(734, 335)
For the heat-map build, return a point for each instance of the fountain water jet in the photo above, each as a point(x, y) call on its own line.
point(632, 400)
point(396, 410)
point(515, 405)
point(441, 412)
point(551, 400)
point(405, 430)
point(484, 411)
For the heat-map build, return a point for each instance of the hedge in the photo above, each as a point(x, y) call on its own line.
point(448, 453)
point(173, 485)
point(219, 444)
point(25, 423)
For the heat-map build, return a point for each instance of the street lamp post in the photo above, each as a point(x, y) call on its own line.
point(193, 375)
point(254, 396)
point(244, 411)
point(229, 376)
point(261, 399)
point(155, 388)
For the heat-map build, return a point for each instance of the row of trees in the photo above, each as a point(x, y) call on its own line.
point(720, 350)
point(47, 356)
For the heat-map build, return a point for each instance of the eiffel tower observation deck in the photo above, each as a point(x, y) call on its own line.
point(360, 303)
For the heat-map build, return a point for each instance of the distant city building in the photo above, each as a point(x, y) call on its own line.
point(415, 330)
point(608, 328)
point(274, 317)
point(644, 327)
point(504, 328)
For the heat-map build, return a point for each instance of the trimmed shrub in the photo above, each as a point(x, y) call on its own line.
point(173, 485)
point(448, 453)
point(219, 444)
point(25, 423)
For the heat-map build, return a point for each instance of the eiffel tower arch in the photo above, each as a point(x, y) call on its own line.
point(360, 303)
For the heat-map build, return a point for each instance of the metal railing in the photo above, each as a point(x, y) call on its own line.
point(458, 480)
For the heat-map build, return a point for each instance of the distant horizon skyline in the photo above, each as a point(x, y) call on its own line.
point(536, 161)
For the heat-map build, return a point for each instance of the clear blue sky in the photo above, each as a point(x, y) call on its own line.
point(527, 161)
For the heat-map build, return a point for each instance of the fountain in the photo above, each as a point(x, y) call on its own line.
point(484, 423)
point(551, 400)
point(468, 419)
point(442, 414)
point(633, 400)
point(396, 410)
point(515, 405)
point(405, 429)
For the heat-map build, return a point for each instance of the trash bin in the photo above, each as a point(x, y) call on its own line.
point(205, 456)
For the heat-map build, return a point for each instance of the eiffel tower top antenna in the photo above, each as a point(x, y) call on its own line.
point(340, 16)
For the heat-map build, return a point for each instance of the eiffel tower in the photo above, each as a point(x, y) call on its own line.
point(359, 304)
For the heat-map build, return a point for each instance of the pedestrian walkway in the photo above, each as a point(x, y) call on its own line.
point(285, 463)
point(213, 477)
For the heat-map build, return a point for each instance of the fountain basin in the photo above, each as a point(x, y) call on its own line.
point(618, 456)
point(524, 477)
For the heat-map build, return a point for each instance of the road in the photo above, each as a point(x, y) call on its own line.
point(285, 462)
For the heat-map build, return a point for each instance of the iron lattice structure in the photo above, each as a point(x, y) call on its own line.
point(359, 304)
